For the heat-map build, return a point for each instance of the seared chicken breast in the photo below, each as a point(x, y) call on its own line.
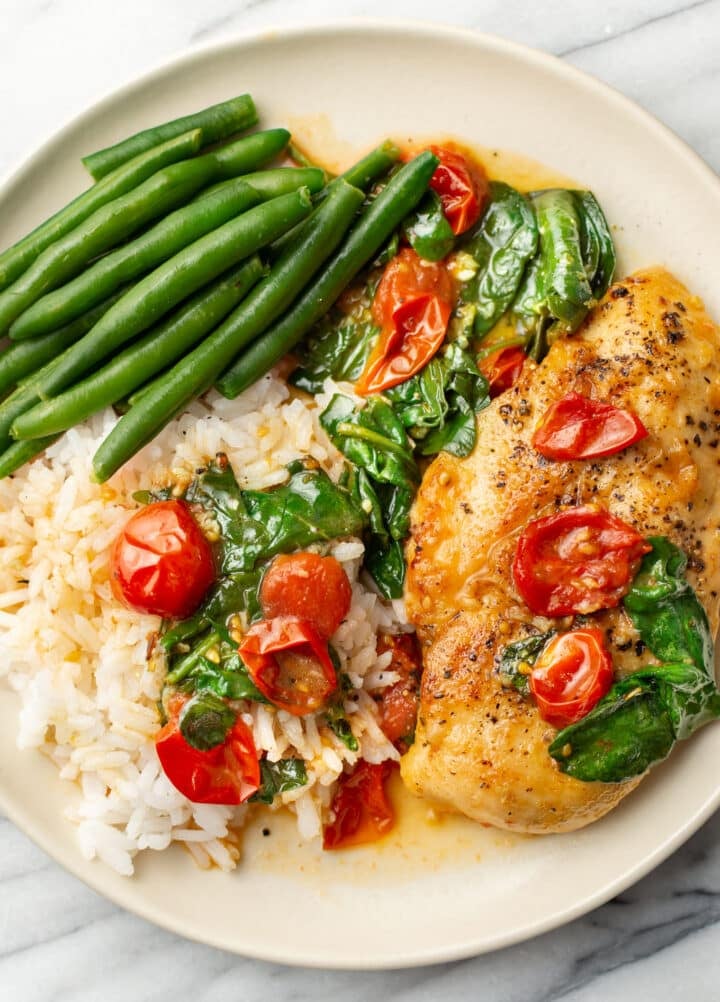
point(482, 749)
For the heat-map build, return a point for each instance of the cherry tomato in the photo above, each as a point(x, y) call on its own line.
point(290, 664)
point(462, 186)
point(577, 561)
point(412, 307)
point(502, 369)
point(577, 427)
point(161, 562)
point(573, 672)
point(398, 703)
point(361, 811)
point(308, 586)
point(226, 774)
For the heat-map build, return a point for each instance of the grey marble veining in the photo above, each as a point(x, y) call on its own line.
point(61, 941)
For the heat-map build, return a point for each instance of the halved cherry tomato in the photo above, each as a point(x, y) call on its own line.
point(360, 811)
point(412, 307)
point(398, 703)
point(226, 774)
point(161, 562)
point(502, 369)
point(290, 664)
point(462, 186)
point(308, 586)
point(577, 561)
point(573, 672)
point(577, 427)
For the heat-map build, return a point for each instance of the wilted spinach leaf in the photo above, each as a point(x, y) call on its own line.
point(279, 777)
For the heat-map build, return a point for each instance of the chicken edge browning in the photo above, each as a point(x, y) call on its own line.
point(482, 749)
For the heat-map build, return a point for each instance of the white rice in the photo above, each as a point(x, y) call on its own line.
point(77, 657)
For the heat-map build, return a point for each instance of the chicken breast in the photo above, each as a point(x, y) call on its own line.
point(481, 749)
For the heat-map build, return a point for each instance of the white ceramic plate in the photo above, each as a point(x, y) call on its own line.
point(453, 889)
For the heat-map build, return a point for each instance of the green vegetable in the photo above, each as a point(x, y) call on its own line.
point(566, 285)
point(198, 370)
point(374, 164)
point(374, 227)
point(427, 230)
point(518, 655)
point(16, 259)
point(228, 680)
point(205, 721)
point(217, 122)
point(594, 222)
point(337, 349)
point(385, 563)
point(275, 181)
point(340, 726)
point(19, 453)
point(279, 777)
point(501, 244)
point(160, 347)
point(638, 721)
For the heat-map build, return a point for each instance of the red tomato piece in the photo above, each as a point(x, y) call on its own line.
point(290, 664)
point(308, 586)
point(462, 186)
point(161, 562)
point(412, 307)
point(577, 427)
point(361, 811)
point(398, 703)
point(576, 561)
point(573, 672)
point(226, 774)
point(502, 369)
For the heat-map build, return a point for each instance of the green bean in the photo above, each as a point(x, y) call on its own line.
point(119, 219)
point(136, 258)
point(217, 122)
point(19, 453)
point(146, 388)
point(20, 400)
point(173, 281)
point(23, 358)
point(279, 181)
point(160, 347)
point(400, 196)
point(16, 259)
point(198, 370)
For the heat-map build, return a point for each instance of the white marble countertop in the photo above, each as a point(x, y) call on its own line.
point(60, 940)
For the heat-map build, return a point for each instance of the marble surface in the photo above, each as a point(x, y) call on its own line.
point(58, 939)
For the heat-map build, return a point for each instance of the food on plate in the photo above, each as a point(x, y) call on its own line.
point(515, 556)
point(237, 372)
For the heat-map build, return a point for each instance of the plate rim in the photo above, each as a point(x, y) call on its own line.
point(239, 38)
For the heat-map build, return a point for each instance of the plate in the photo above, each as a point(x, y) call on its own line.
point(444, 890)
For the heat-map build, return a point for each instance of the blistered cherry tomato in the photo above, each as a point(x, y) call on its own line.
point(502, 369)
point(226, 774)
point(412, 307)
point(576, 561)
point(361, 811)
point(398, 703)
point(308, 586)
point(462, 186)
point(161, 562)
point(290, 663)
point(577, 427)
point(572, 673)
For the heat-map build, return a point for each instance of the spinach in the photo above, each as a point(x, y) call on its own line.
point(641, 717)
point(228, 680)
point(518, 655)
point(427, 230)
point(232, 594)
point(279, 777)
point(340, 726)
point(385, 563)
point(600, 263)
point(205, 721)
point(338, 349)
point(501, 244)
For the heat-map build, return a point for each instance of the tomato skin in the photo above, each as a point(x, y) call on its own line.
point(398, 703)
point(576, 427)
point(361, 809)
point(463, 188)
point(308, 586)
point(573, 672)
point(304, 685)
point(412, 307)
point(161, 563)
point(227, 774)
point(502, 369)
point(576, 561)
